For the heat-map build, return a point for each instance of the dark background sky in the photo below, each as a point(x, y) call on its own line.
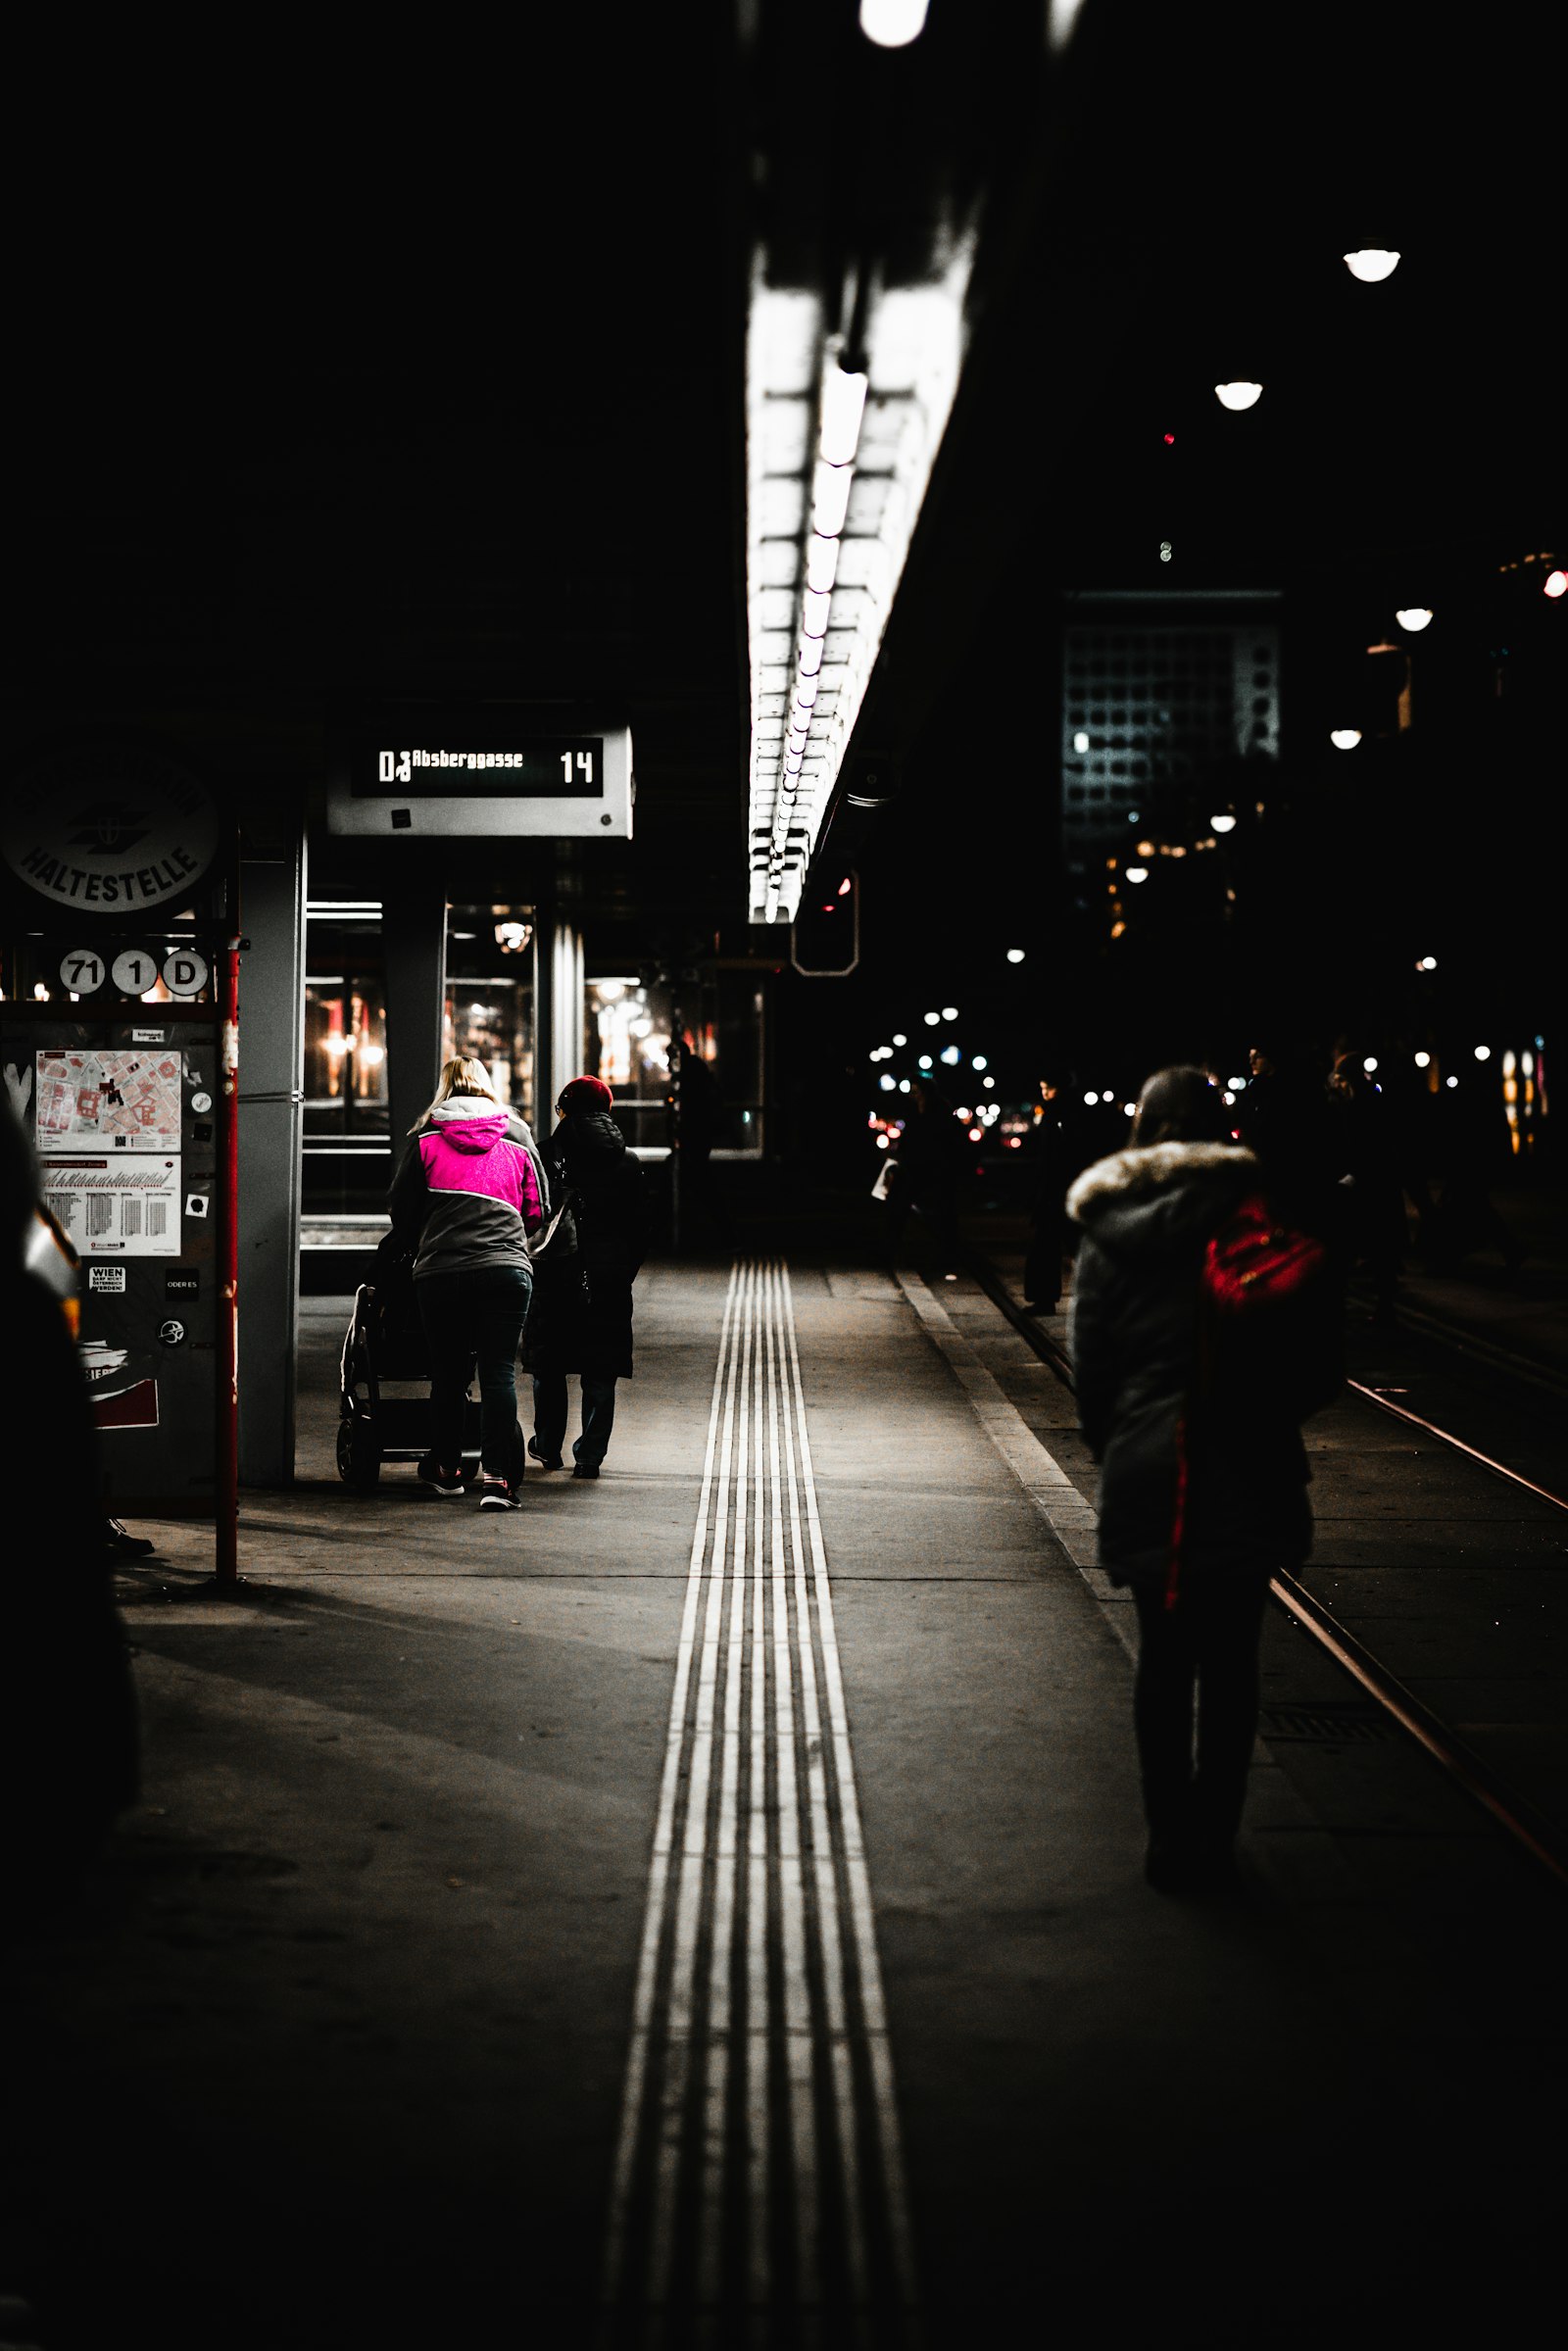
point(416, 366)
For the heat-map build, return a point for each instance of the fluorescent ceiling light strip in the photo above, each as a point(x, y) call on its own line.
point(916, 347)
point(915, 338)
point(784, 342)
point(842, 407)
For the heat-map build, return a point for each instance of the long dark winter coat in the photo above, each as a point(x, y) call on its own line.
point(579, 1316)
point(1221, 1461)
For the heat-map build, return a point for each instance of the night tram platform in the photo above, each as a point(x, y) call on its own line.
point(707, 1906)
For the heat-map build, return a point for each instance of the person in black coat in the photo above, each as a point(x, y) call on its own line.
point(927, 1167)
point(1377, 1232)
point(579, 1316)
point(70, 1728)
point(697, 1123)
point(1202, 1472)
point(1051, 1161)
point(1286, 1117)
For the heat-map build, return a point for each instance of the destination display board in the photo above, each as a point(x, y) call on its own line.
point(493, 770)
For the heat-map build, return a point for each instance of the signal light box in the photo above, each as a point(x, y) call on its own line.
point(825, 935)
point(489, 772)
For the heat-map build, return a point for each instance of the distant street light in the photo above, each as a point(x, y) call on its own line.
point(1413, 618)
point(1238, 396)
point(893, 23)
point(1344, 738)
point(1371, 264)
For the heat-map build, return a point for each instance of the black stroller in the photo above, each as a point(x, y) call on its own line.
point(384, 1348)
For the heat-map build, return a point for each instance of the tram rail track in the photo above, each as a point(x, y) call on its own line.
point(1544, 1840)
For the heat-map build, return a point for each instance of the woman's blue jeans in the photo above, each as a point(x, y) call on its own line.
point(474, 1315)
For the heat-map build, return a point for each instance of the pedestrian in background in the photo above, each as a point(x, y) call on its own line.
point(925, 1173)
point(1367, 1150)
point(1202, 1472)
point(1284, 1116)
point(697, 1123)
point(469, 1191)
point(1473, 1151)
point(1049, 1164)
point(580, 1316)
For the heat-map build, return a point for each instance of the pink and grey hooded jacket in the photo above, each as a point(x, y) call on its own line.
point(470, 1188)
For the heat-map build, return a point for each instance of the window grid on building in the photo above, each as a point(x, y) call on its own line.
point(1144, 708)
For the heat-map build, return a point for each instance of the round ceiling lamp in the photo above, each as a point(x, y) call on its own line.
point(1344, 738)
point(1237, 395)
point(1371, 264)
point(1413, 618)
point(893, 23)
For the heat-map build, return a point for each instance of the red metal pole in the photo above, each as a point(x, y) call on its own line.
point(227, 1500)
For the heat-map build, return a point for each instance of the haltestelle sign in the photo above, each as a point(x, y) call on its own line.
point(110, 831)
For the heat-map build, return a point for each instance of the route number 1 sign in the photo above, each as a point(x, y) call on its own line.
point(133, 972)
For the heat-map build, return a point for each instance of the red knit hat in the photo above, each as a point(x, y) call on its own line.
point(582, 1095)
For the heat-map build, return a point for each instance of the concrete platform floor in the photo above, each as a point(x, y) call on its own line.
point(333, 2049)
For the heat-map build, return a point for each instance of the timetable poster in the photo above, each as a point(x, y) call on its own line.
point(116, 1208)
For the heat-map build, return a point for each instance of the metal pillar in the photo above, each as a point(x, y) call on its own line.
point(270, 1134)
point(563, 987)
point(225, 1571)
point(415, 937)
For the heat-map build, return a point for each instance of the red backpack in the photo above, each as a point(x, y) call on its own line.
point(1256, 1265)
point(1271, 1308)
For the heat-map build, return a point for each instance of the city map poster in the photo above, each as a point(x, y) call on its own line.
point(113, 1208)
point(122, 1100)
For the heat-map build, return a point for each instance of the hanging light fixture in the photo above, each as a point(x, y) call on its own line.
point(1413, 618)
point(1238, 396)
point(1371, 263)
point(1344, 738)
point(893, 23)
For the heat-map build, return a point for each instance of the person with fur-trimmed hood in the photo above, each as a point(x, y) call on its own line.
point(1203, 1480)
point(580, 1319)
